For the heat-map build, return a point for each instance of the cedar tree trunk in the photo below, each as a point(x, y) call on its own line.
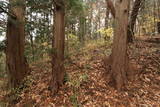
point(58, 47)
point(16, 63)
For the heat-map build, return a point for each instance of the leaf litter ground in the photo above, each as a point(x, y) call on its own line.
point(86, 85)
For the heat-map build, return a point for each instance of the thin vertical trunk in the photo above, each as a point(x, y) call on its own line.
point(99, 22)
point(119, 52)
point(73, 28)
point(15, 59)
point(58, 47)
point(90, 23)
point(107, 16)
point(154, 15)
point(134, 14)
point(32, 45)
point(158, 23)
point(158, 27)
point(90, 20)
point(82, 29)
point(31, 39)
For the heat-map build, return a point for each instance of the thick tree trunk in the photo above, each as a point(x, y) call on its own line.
point(134, 14)
point(16, 63)
point(58, 49)
point(119, 52)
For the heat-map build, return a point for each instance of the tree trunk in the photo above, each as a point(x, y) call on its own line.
point(16, 63)
point(58, 48)
point(134, 14)
point(107, 16)
point(119, 52)
point(90, 22)
point(31, 36)
point(154, 16)
point(158, 23)
point(82, 29)
point(32, 45)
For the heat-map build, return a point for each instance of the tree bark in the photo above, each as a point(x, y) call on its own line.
point(133, 17)
point(119, 52)
point(58, 48)
point(158, 27)
point(82, 29)
point(16, 63)
point(158, 23)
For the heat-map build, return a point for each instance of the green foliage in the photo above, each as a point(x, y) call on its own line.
point(14, 94)
point(148, 23)
point(75, 85)
point(106, 33)
point(38, 29)
point(74, 100)
point(40, 51)
point(84, 77)
point(17, 3)
point(76, 6)
point(148, 17)
point(75, 82)
point(39, 5)
point(73, 39)
point(72, 43)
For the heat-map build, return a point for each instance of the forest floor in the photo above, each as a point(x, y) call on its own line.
point(86, 83)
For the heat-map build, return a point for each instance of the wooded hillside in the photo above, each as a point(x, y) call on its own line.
point(79, 53)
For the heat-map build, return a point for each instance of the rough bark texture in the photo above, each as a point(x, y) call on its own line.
point(58, 48)
point(16, 63)
point(133, 17)
point(158, 27)
point(119, 52)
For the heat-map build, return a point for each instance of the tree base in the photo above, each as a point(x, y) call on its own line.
point(111, 77)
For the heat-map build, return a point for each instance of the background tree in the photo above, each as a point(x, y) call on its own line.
point(39, 26)
point(133, 17)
